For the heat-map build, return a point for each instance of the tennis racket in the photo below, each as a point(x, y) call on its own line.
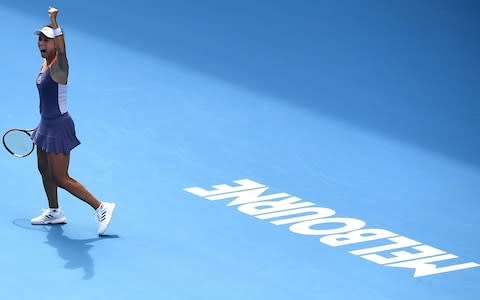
point(18, 142)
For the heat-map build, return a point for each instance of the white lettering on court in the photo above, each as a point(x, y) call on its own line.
point(303, 218)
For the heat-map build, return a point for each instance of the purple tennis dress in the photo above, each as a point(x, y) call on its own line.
point(56, 131)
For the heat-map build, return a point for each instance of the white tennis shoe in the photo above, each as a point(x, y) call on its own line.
point(104, 216)
point(50, 216)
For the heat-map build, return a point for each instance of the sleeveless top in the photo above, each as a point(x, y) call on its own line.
point(53, 96)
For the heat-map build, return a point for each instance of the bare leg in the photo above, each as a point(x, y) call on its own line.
point(48, 183)
point(58, 165)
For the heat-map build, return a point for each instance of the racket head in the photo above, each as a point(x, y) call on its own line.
point(18, 142)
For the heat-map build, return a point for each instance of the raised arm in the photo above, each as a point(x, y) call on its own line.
point(60, 67)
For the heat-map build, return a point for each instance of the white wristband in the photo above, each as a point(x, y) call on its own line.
point(57, 31)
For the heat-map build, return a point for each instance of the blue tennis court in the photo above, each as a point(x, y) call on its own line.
point(254, 149)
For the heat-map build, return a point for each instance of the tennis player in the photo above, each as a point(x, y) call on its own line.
point(55, 135)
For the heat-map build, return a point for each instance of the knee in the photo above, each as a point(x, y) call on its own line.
point(43, 169)
point(60, 181)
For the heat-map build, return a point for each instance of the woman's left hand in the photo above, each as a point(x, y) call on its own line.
point(52, 13)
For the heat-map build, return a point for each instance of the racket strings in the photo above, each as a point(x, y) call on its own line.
point(18, 143)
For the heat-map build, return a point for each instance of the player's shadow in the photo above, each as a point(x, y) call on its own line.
point(75, 252)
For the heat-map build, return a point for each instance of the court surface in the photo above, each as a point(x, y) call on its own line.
point(369, 109)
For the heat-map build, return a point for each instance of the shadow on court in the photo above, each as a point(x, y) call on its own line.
point(74, 252)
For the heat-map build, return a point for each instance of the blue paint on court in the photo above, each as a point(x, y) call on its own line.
point(365, 107)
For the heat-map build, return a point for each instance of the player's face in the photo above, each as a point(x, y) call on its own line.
point(46, 46)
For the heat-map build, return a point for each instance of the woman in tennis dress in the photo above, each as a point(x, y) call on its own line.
point(55, 135)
